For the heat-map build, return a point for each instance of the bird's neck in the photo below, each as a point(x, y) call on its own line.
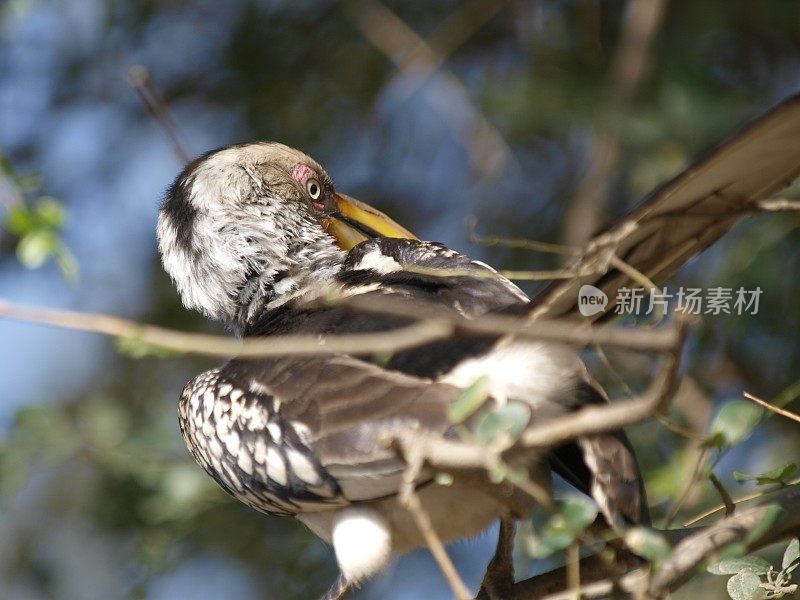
point(305, 273)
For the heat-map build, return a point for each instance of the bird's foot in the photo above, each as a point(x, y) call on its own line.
point(338, 589)
point(499, 577)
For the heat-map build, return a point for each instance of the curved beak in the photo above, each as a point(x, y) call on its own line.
point(353, 221)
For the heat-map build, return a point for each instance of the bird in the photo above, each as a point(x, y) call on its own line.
point(256, 236)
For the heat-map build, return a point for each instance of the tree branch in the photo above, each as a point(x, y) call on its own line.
point(410, 500)
point(782, 412)
point(430, 325)
point(455, 454)
point(778, 205)
point(410, 336)
point(694, 548)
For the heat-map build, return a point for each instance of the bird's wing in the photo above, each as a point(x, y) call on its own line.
point(432, 272)
point(684, 216)
point(307, 433)
point(601, 466)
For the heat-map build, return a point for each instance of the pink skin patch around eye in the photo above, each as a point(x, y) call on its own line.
point(301, 173)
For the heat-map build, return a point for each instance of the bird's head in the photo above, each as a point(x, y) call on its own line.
point(245, 228)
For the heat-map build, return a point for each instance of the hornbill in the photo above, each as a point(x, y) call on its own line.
point(256, 236)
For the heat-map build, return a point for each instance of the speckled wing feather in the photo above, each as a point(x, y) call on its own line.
point(684, 216)
point(309, 433)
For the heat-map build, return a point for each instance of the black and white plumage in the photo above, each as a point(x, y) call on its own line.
point(252, 236)
point(255, 235)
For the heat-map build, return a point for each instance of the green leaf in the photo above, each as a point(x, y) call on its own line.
point(511, 418)
point(716, 440)
point(779, 475)
point(729, 566)
point(20, 220)
point(554, 532)
point(745, 586)
point(469, 400)
point(735, 550)
point(36, 247)
point(648, 544)
point(734, 422)
point(578, 511)
point(50, 212)
point(548, 542)
point(791, 555)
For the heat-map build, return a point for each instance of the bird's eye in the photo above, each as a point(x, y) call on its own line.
point(313, 188)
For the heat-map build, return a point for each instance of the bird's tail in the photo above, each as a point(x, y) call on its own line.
point(604, 467)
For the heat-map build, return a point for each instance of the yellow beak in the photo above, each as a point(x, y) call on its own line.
point(355, 221)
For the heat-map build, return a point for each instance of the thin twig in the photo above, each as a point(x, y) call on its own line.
point(574, 569)
point(778, 205)
point(524, 243)
point(410, 336)
point(760, 494)
point(446, 453)
point(431, 325)
point(139, 79)
point(730, 507)
point(662, 339)
point(544, 275)
point(693, 547)
point(696, 548)
point(604, 418)
point(695, 477)
point(780, 411)
point(410, 500)
point(680, 430)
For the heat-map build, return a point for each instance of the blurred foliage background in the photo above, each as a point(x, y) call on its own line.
point(523, 113)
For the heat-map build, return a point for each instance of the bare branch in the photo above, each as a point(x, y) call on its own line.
point(689, 484)
point(601, 419)
point(780, 411)
point(409, 499)
point(695, 549)
point(524, 243)
point(430, 325)
point(778, 205)
point(662, 339)
point(545, 275)
point(139, 79)
point(730, 507)
point(454, 454)
point(754, 496)
point(410, 336)
point(695, 546)
point(574, 569)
